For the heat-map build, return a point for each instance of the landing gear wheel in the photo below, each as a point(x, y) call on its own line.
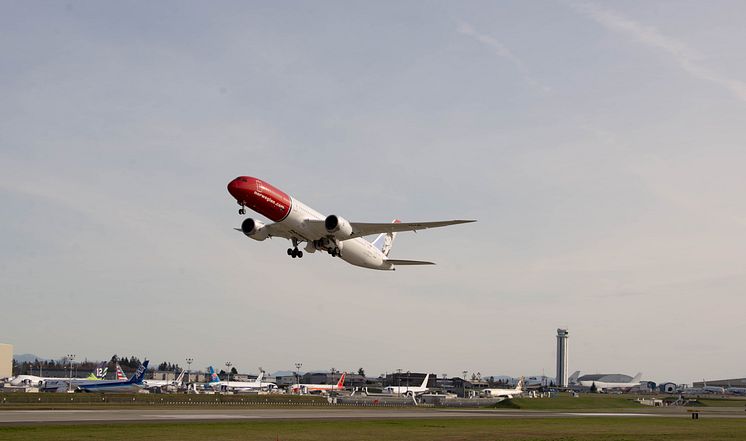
point(241, 211)
point(290, 251)
point(300, 254)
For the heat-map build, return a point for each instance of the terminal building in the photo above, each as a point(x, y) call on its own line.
point(732, 382)
point(6, 360)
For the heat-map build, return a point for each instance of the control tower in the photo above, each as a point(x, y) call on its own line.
point(562, 357)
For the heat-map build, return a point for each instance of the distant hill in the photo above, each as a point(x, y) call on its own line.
point(21, 358)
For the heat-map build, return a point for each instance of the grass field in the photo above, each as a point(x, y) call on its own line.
point(567, 429)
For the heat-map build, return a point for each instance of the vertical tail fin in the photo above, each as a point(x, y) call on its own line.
point(120, 373)
point(519, 386)
point(101, 370)
point(341, 382)
point(573, 378)
point(259, 377)
point(424, 382)
point(139, 374)
point(385, 241)
point(180, 378)
point(637, 378)
point(213, 376)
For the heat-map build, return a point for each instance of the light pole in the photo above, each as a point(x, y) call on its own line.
point(398, 379)
point(189, 361)
point(464, 372)
point(70, 357)
point(228, 365)
point(297, 374)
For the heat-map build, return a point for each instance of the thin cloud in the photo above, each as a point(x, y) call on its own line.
point(687, 58)
point(501, 51)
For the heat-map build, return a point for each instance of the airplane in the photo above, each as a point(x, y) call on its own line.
point(239, 386)
point(509, 393)
point(573, 379)
point(165, 384)
point(736, 390)
point(408, 390)
point(597, 379)
point(323, 388)
point(334, 234)
point(705, 389)
point(134, 384)
point(37, 381)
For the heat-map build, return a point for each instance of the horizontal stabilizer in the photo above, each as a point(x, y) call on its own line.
point(409, 262)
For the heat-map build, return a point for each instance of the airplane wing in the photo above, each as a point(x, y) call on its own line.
point(277, 230)
point(360, 229)
point(409, 262)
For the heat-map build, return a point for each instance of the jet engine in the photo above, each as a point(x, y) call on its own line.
point(338, 227)
point(254, 229)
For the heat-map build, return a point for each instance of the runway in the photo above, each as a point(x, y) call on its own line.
point(25, 417)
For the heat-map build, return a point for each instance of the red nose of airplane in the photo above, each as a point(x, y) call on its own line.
point(240, 186)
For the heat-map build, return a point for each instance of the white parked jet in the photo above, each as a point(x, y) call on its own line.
point(299, 223)
point(316, 388)
point(36, 381)
point(408, 390)
point(239, 386)
point(164, 385)
point(509, 393)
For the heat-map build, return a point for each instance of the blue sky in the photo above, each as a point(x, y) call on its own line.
point(600, 145)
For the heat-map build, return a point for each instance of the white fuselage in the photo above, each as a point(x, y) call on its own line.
point(405, 390)
point(245, 386)
point(510, 393)
point(357, 251)
point(308, 388)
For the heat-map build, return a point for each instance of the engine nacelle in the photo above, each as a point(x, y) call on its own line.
point(254, 229)
point(338, 226)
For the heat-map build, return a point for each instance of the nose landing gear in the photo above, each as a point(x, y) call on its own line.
point(242, 210)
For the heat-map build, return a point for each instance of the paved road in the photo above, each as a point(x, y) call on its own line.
point(154, 415)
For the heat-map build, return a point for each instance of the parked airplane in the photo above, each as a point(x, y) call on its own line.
point(37, 381)
point(606, 382)
point(161, 385)
point(705, 389)
point(316, 388)
point(299, 223)
point(573, 379)
point(408, 390)
point(239, 386)
point(509, 393)
point(736, 390)
point(134, 384)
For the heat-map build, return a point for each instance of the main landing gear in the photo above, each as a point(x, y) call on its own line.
point(242, 210)
point(295, 252)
